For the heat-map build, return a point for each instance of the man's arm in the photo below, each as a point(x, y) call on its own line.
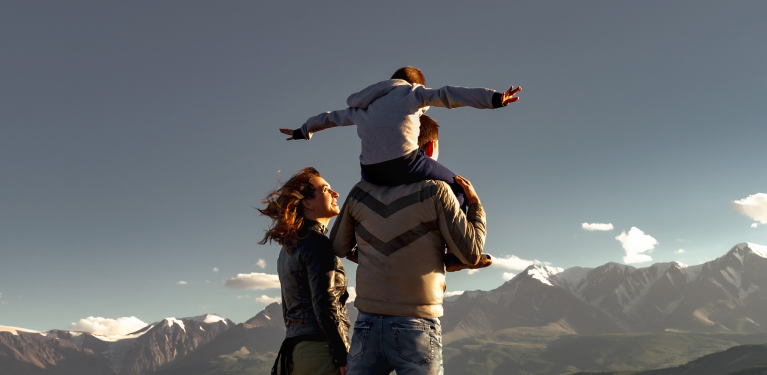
point(455, 97)
point(463, 234)
point(343, 117)
point(342, 235)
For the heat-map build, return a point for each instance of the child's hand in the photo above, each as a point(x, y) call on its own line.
point(508, 96)
point(468, 189)
point(287, 132)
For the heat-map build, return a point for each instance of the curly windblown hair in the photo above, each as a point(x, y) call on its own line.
point(284, 207)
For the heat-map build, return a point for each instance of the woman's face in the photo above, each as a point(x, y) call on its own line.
point(324, 204)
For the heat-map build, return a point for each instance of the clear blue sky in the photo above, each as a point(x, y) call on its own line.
point(135, 137)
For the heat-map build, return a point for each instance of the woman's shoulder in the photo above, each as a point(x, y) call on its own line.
point(316, 242)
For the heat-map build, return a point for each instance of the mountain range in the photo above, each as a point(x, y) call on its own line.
point(539, 310)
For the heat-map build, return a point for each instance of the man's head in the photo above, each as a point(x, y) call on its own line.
point(410, 74)
point(428, 137)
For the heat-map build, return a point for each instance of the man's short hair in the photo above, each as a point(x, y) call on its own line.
point(429, 131)
point(410, 74)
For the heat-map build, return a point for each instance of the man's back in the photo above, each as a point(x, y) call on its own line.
point(401, 232)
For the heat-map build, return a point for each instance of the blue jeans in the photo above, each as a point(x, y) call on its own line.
point(382, 343)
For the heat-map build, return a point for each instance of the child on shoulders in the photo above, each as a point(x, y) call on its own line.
point(387, 115)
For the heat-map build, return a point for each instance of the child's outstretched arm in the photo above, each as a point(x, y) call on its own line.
point(344, 117)
point(455, 97)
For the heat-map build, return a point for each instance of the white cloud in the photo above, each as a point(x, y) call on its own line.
point(636, 244)
point(680, 251)
point(352, 294)
point(266, 300)
point(253, 281)
point(456, 293)
point(107, 327)
point(261, 263)
point(245, 296)
point(754, 225)
point(215, 269)
point(513, 262)
point(753, 206)
point(182, 282)
point(473, 271)
point(597, 226)
point(508, 276)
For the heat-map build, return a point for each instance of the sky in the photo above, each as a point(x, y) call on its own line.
point(136, 138)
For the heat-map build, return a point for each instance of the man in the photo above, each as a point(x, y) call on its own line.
point(401, 233)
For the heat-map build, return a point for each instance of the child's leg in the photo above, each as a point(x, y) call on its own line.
point(426, 168)
point(411, 168)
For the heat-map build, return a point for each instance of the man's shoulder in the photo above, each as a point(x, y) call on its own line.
point(368, 187)
point(424, 190)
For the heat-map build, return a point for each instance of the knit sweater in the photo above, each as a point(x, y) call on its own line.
point(386, 115)
point(401, 233)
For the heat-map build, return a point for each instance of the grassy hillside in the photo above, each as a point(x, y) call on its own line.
point(546, 350)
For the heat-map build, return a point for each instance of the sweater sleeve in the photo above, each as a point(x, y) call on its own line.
point(464, 234)
point(342, 235)
point(454, 97)
point(343, 117)
point(326, 301)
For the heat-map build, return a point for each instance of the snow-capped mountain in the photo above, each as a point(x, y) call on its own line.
point(146, 350)
point(728, 294)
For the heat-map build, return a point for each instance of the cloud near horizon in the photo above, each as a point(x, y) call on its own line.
point(680, 251)
point(636, 244)
point(261, 263)
point(473, 271)
point(352, 294)
point(182, 282)
point(266, 300)
point(513, 262)
point(597, 226)
point(456, 293)
point(108, 327)
point(753, 206)
point(507, 276)
point(253, 281)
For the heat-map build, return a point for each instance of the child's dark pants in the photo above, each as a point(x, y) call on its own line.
point(411, 168)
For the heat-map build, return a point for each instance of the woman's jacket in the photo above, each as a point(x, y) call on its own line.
point(313, 283)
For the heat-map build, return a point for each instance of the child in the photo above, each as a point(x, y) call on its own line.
point(387, 118)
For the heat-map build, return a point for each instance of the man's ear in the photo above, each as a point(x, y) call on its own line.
point(428, 150)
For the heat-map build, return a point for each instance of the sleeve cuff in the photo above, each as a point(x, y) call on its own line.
point(497, 100)
point(298, 134)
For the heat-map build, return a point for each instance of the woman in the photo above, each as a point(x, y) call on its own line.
point(312, 278)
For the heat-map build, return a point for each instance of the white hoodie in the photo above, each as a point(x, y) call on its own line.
point(386, 115)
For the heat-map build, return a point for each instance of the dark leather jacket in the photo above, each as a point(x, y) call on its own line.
point(313, 283)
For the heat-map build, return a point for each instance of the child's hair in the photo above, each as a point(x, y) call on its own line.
point(410, 74)
point(429, 131)
point(284, 207)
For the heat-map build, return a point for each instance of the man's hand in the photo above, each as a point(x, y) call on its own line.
point(453, 264)
point(290, 132)
point(508, 96)
point(468, 189)
point(342, 370)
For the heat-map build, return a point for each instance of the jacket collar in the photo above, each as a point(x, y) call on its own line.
point(311, 225)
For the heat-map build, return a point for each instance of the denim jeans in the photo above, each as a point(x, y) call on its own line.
point(382, 343)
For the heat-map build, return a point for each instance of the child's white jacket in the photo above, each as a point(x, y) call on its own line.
point(386, 115)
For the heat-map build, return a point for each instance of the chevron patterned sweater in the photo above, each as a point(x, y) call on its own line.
point(401, 233)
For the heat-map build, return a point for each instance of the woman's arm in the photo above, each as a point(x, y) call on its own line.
point(328, 287)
